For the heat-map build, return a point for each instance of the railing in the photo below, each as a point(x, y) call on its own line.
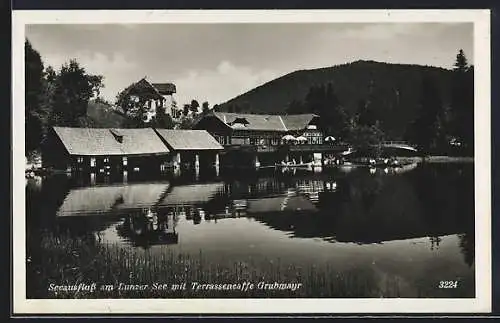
point(289, 147)
point(397, 142)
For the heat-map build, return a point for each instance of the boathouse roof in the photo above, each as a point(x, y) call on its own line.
point(265, 122)
point(189, 139)
point(107, 142)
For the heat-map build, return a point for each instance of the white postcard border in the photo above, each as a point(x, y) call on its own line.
point(480, 304)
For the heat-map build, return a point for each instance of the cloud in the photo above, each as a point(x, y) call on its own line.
point(219, 84)
point(116, 69)
point(381, 31)
point(217, 62)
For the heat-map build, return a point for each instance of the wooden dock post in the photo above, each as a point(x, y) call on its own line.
point(197, 161)
point(177, 160)
point(257, 162)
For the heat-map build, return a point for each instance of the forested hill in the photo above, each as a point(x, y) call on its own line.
point(394, 91)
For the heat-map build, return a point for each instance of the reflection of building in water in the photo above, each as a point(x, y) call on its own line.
point(435, 241)
point(149, 227)
point(111, 198)
point(193, 194)
point(312, 188)
point(196, 201)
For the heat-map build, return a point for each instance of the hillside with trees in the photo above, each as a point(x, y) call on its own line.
point(392, 92)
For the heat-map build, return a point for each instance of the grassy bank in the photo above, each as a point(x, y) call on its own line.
point(68, 261)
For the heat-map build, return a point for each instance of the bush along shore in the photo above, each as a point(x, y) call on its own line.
point(65, 267)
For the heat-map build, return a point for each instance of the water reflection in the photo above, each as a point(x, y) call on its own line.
point(334, 206)
point(149, 227)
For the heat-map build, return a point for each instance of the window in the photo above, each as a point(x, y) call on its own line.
point(79, 160)
point(106, 159)
point(92, 161)
point(125, 161)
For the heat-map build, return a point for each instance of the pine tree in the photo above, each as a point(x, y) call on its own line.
point(194, 106)
point(426, 130)
point(205, 107)
point(462, 102)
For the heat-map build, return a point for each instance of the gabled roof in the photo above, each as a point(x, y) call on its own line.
point(105, 199)
point(266, 122)
point(298, 121)
point(189, 139)
point(165, 88)
point(142, 88)
point(106, 141)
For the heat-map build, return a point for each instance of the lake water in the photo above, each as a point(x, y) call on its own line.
point(416, 224)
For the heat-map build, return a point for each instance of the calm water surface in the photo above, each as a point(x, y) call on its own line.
point(415, 224)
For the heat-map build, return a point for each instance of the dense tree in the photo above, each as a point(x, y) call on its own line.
point(296, 107)
point(72, 92)
point(365, 114)
point(55, 98)
point(462, 102)
point(323, 101)
point(162, 119)
point(367, 139)
point(366, 134)
point(461, 63)
point(194, 106)
point(35, 115)
point(186, 123)
point(205, 107)
point(427, 130)
point(185, 109)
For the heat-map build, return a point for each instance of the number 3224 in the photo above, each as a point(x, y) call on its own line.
point(448, 284)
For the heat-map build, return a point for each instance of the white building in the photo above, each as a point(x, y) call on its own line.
point(155, 95)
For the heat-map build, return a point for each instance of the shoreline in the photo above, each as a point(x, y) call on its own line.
point(428, 159)
point(438, 159)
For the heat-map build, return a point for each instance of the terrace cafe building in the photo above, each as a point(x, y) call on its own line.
point(256, 138)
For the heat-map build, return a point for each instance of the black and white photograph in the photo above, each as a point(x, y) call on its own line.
point(237, 160)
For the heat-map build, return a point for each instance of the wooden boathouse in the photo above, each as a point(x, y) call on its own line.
point(107, 151)
point(103, 150)
point(190, 148)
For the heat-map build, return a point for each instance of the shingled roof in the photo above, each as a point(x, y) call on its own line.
point(107, 142)
point(143, 88)
point(189, 139)
point(165, 88)
point(298, 121)
point(266, 122)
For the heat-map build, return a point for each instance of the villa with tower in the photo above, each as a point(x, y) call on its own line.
point(154, 95)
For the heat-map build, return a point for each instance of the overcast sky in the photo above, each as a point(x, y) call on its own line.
point(216, 62)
